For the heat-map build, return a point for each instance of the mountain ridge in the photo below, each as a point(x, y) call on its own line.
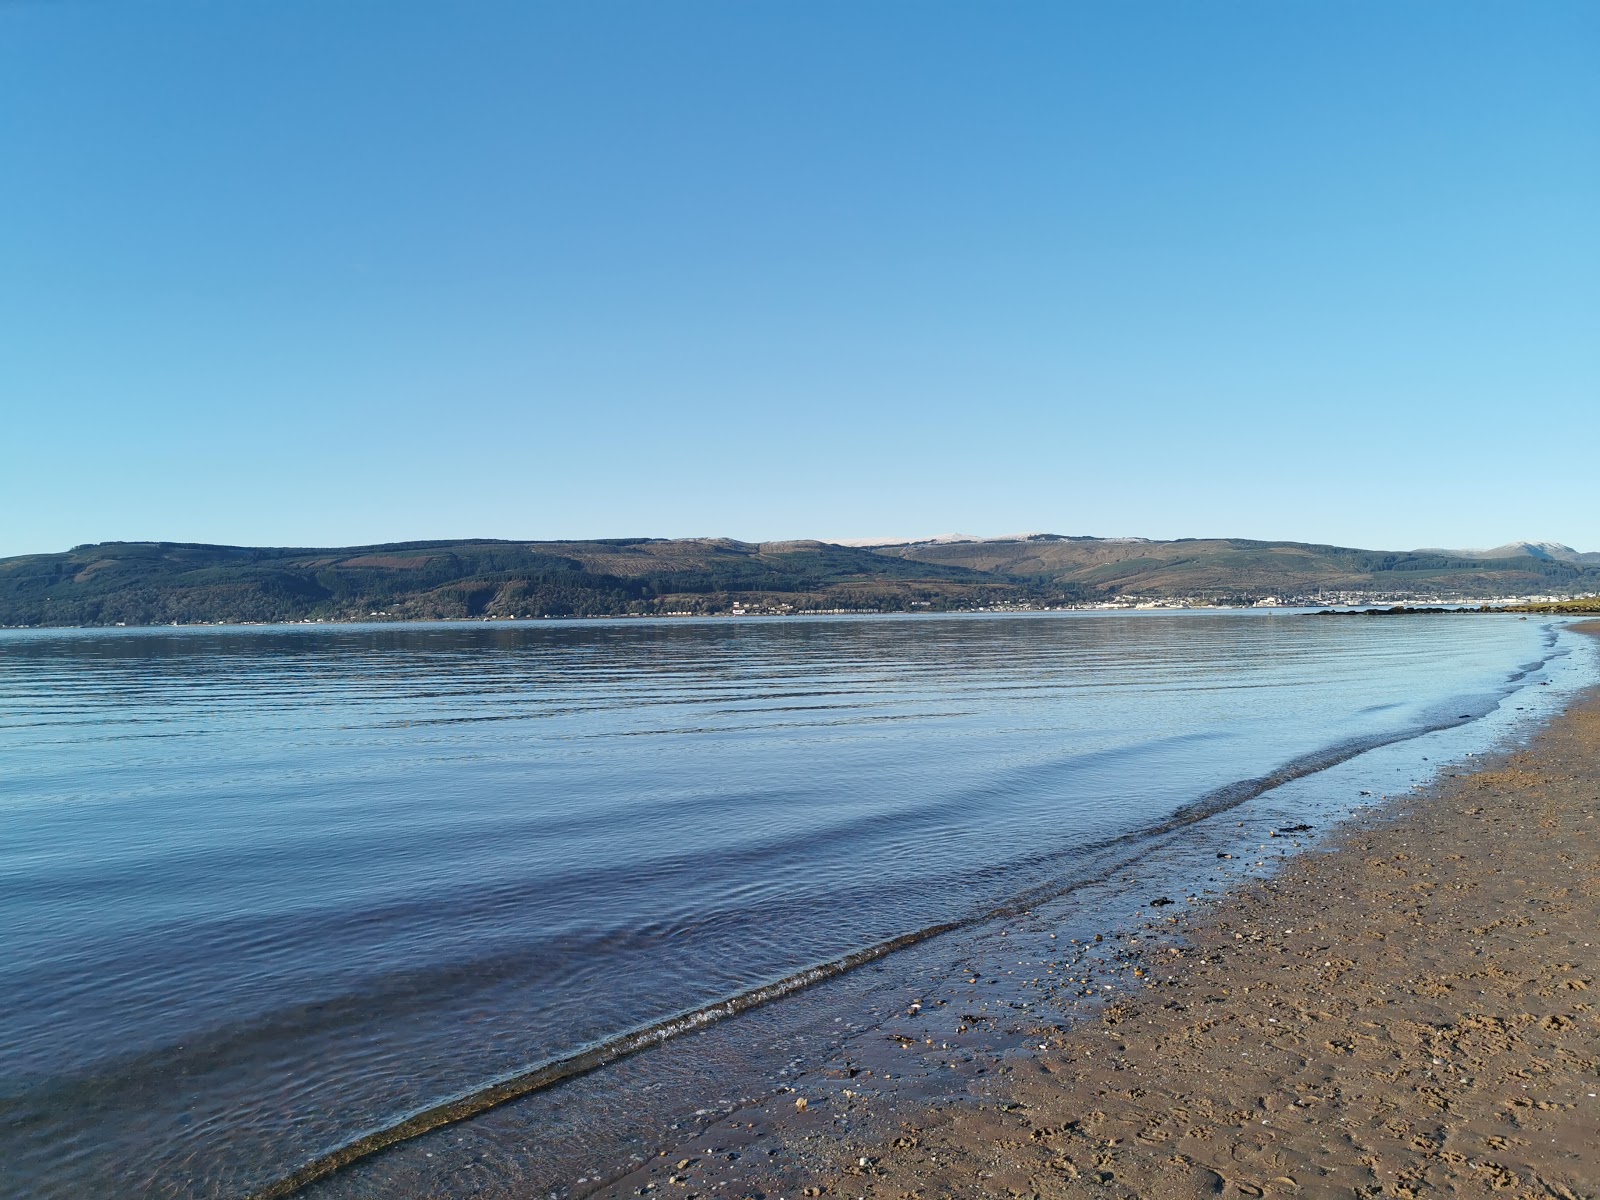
point(131, 583)
point(1548, 550)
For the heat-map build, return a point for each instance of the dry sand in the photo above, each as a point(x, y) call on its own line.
point(1414, 1012)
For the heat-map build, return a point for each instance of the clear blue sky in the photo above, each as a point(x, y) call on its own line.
point(320, 272)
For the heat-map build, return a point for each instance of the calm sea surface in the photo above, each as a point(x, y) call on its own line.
point(265, 889)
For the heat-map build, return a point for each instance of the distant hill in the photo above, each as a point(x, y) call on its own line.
point(1552, 551)
point(161, 582)
point(1235, 566)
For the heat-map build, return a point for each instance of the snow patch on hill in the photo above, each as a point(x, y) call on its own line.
point(1548, 551)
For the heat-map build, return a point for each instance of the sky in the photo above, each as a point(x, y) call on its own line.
point(309, 273)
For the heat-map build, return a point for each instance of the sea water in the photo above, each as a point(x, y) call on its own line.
point(267, 891)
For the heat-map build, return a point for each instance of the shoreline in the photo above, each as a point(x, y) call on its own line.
point(1412, 1008)
point(1412, 608)
point(1058, 879)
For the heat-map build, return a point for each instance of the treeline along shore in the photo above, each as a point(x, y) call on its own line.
point(1576, 606)
point(144, 583)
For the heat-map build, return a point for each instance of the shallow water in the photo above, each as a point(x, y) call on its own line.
point(265, 890)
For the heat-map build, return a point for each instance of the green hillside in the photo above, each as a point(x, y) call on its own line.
point(1217, 567)
point(160, 582)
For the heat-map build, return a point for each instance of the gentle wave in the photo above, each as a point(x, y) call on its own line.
point(591, 1058)
point(275, 893)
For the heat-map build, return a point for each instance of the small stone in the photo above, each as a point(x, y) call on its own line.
point(800, 1104)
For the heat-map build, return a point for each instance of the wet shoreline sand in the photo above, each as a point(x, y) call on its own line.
point(1411, 1009)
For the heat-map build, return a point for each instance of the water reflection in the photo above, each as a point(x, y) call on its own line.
point(267, 887)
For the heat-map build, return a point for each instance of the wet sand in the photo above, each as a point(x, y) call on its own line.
point(1412, 1009)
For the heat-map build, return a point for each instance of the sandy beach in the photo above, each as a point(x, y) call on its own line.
point(1408, 1010)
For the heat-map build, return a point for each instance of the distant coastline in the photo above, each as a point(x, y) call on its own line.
point(1576, 607)
point(167, 583)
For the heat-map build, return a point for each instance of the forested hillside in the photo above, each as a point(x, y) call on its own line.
point(1241, 567)
point(160, 582)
